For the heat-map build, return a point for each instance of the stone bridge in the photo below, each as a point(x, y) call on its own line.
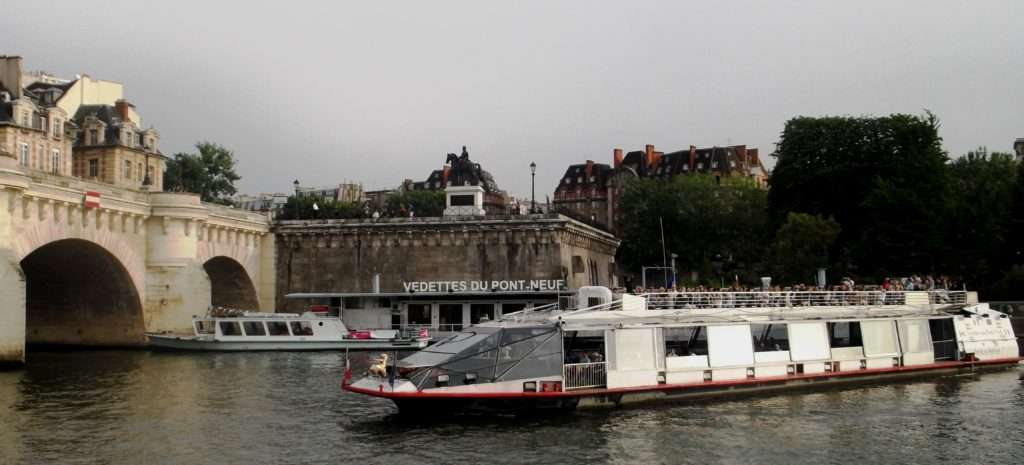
point(76, 273)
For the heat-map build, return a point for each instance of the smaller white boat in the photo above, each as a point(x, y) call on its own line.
point(249, 331)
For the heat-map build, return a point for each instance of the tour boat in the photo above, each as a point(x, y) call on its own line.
point(672, 346)
point(244, 331)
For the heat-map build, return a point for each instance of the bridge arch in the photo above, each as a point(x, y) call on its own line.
point(230, 284)
point(79, 293)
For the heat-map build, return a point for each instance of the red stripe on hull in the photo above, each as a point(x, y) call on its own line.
point(672, 387)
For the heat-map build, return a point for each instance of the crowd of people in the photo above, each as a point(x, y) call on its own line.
point(910, 283)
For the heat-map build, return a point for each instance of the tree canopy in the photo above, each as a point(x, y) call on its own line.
point(417, 203)
point(209, 173)
point(883, 179)
point(801, 246)
point(715, 226)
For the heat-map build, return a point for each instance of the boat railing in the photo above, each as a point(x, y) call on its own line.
point(778, 299)
point(787, 299)
point(584, 375)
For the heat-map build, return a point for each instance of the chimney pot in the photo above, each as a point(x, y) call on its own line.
point(617, 158)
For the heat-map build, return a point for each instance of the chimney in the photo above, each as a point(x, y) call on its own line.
point(753, 159)
point(617, 158)
point(10, 75)
point(444, 176)
point(649, 155)
point(693, 156)
point(122, 106)
point(741, 153)
point(589, 169)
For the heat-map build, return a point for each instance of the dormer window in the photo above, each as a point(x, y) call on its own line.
point(94, 137)
point(56, 128)
point(26, 118)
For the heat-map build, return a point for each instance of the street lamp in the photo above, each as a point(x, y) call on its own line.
point(533, 187)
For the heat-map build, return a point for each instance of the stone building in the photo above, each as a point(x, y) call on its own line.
point(1018, 148)
point(589, 191)
point(440, 272)
point(34, 129)
point(80, 127)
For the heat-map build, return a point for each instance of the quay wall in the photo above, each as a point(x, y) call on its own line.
point(345, 255)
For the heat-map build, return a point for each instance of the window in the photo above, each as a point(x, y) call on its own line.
point(302, 328)
point(55, 161)
point(577, 264)
point(38, 163)
point(418, 314)
point(230, 328)
point(478, 312)
point(844, 334)
point(127, 170)
point(254, 328)
point(204, 327)
point(23, 154)
point(94, 137)
point(700, 165)
point(450, 317)
point(770, 337)
point(56, 128)
point(277, 328)
point(692, 340)
point(26, 118)
point(353, 302)
point(138, 171)
point(94, 167)
point(512, 308)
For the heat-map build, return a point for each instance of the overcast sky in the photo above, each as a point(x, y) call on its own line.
point(376, 92)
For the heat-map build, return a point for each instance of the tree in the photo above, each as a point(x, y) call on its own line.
point(309, 207)
point(419, 202)
point(980, 218)
point(882, 178)
point(715, 227)
point(801, 246)
point(210, 173)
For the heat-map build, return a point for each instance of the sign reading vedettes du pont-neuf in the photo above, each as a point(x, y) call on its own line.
point(506, 285)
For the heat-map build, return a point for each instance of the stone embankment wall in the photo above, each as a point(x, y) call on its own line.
point(345, 255)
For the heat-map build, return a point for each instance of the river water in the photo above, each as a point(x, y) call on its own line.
point(136, 407)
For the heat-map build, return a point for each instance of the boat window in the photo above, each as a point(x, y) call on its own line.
point(205, 327)
point(545, 359)
point(254, 328)
point(460, 345)
point(277, 328)
point(230, 328)
point(844, 334)
point(418, 314)
point(302, 328)
point(770, 338)
point(691, 340)
point(943, 338)
point(478, 312)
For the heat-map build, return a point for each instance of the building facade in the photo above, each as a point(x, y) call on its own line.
point(78, 127)
point(589, 191)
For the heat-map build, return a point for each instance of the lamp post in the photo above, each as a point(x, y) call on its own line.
point(533, 187)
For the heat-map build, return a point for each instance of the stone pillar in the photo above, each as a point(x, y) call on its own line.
point(12, 280)
point(266, 287)
point(177, 285)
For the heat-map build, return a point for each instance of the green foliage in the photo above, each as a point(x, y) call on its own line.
point(717, 229)
point(210, 173)
point(801, 246)
point(420, 203)
point(301, 208)
point(978, 232)
point(883, 179)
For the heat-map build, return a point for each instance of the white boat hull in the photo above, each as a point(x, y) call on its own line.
point(172, 342)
